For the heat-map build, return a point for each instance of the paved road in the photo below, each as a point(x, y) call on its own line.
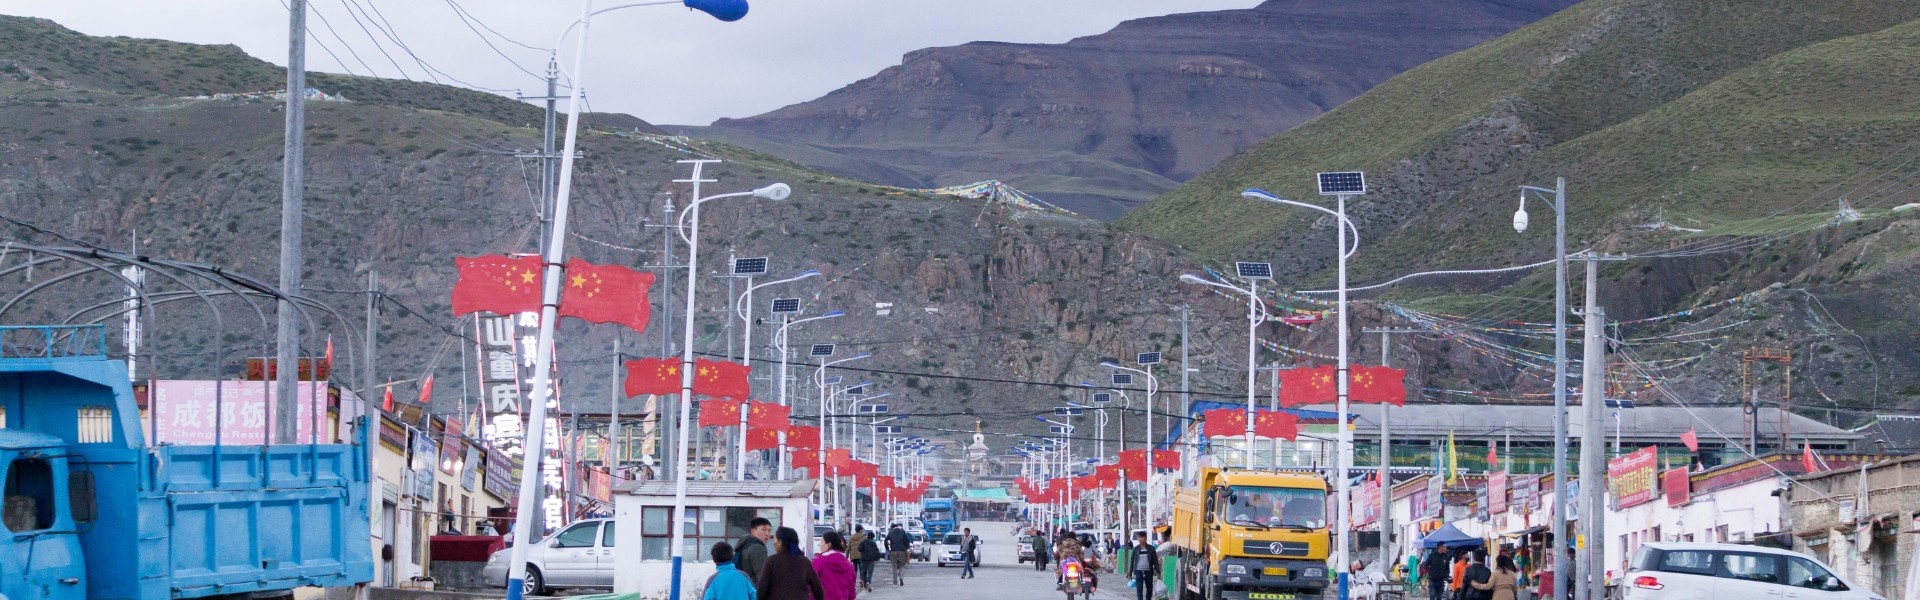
point(1000, 576)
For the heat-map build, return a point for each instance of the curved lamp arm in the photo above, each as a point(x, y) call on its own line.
point(1260, 194)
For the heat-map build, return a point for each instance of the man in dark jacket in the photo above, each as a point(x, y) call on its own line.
point(899, 545)
point(1477, 572)
point(1041, 550)
point(751, 551)
point(1437, 570)
point(1145, 567)
point(869, 555)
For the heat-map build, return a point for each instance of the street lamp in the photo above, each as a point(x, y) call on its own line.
point(1153, 385)
point(1340, 185)
point(746, 303)
point(1256, 314)
point(552, 274)
point(819, 377)
point(1558, 201)
point(780, 339)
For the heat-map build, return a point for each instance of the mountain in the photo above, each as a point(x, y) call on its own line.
point(1104, 122)
point(1748, 152)
point(972, 311)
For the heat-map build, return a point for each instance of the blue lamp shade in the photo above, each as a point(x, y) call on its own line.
point(725, 10)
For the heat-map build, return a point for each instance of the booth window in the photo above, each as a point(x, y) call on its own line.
point(704, 525)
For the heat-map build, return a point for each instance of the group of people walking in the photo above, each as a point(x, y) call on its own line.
point(1092, 554)
point(1465, 575)
point(751, 570)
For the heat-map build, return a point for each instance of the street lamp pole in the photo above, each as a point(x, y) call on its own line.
point(1560, 562)
point(1153, 385)
point(781, 340)
point(1256, 313)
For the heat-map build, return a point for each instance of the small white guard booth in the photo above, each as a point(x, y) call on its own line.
point(717, 511)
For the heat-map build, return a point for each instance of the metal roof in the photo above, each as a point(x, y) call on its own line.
point(1536, 421)
point(722, 489)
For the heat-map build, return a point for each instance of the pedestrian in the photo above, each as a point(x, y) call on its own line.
point(837, 577)
point(788, 575)
point(1145, 567)
point(969, 551)
point(1458, 576)
point(1505, 582)
point(1040, 555)
point(727, 582)
point(870, 555)
point(853, 545)
point(1478, 584)
point(751, 551)
point(1436, 573)
point(898, 545)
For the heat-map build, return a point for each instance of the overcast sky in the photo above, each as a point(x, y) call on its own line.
point(663, 64)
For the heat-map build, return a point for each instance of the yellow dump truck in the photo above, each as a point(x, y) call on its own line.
point(1252, 535)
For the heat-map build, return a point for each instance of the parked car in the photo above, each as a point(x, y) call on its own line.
point(578, 557)
point(1672, 570)
point(947, 552)
point(918, 549)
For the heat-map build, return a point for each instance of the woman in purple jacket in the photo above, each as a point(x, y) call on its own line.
point(837, 576)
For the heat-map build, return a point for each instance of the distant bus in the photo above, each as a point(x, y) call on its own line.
point(940, 516)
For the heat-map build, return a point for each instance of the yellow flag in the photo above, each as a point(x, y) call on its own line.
point(1453, 461)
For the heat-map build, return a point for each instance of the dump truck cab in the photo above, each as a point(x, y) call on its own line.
point(1252, 535)
point(41, 542)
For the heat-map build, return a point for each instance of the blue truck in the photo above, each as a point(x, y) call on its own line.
point(91, 512)
point(940, 517)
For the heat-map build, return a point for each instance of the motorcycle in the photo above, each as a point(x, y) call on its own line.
point(1075, 580)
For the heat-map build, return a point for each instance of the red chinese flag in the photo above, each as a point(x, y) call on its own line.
point(606, 294)
point(1133, 460)
point(653, 376)
point(1166, 459)
point(720, 379)
point(803, 436)
point(1084, 483)
point(839, 459)
point(329, 360)
point(387, 403)
point(885, 482)
point(497, 283)
point(1806, 458)
point(1308, 385)
point(1274, 424)
point(762, 439)
point(720, 413)
point(426, 390)
point(1225, 422)
point(1493, 457)
point(1691, 439)
point(767, 415)
point(804, 459)
point(864, 471)
point(1376, 385)
point(1106, 477)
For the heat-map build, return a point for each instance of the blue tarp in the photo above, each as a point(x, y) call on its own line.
point(1450, 536)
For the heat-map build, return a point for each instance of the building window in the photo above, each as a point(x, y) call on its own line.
point(28, 503)
point(705, 526)
point(96, 424)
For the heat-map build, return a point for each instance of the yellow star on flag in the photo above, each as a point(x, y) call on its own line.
point(579, 281)
point(526, 276)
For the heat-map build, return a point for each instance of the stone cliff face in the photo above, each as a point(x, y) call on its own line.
point(1122, 115)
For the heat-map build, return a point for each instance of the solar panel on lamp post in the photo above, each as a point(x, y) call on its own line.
point(785, 309)
point(1256, 314)
point(1342, 186)
point(746, 298)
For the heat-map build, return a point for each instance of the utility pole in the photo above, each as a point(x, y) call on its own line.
point(292, 183)
point(547, 155)
point(1593, 442)
point(1386, 452)
point(1186, 392)
point(373, 336)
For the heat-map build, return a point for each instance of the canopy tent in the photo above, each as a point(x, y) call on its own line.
point(1451, 536)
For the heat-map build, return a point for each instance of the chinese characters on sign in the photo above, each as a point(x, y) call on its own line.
point(1497, 492)
point(500, 378)
point(1630, 478)
point(1679, 486)
point(186, 412)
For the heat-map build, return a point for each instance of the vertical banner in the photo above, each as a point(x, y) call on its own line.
point(1436, 496)
point(1630, 477)
point(451, 446)
point(1417, 504)
point(1366, 503)
point(1497, 492)
point(425, 454)
point(500, 380)
point(1679, 486)
point(1526, 494)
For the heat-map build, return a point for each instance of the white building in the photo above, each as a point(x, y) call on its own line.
point(718, 511)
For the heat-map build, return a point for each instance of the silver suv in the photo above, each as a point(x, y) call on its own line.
point(578, 557)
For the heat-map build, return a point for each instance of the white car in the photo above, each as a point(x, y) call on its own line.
point(947, 551)
point(1673, 570)
point(578, 557)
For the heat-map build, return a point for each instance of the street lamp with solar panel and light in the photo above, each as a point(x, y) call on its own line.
point(785, 307)
point(1153, 385)
point(819, 377)
point(1257, 313)
point(1343, 186)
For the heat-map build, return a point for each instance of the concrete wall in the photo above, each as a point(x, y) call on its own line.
point(1871, 547)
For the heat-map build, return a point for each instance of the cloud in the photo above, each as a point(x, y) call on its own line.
point(663, 64)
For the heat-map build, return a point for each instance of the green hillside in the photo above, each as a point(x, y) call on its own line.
point(1445, 143)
